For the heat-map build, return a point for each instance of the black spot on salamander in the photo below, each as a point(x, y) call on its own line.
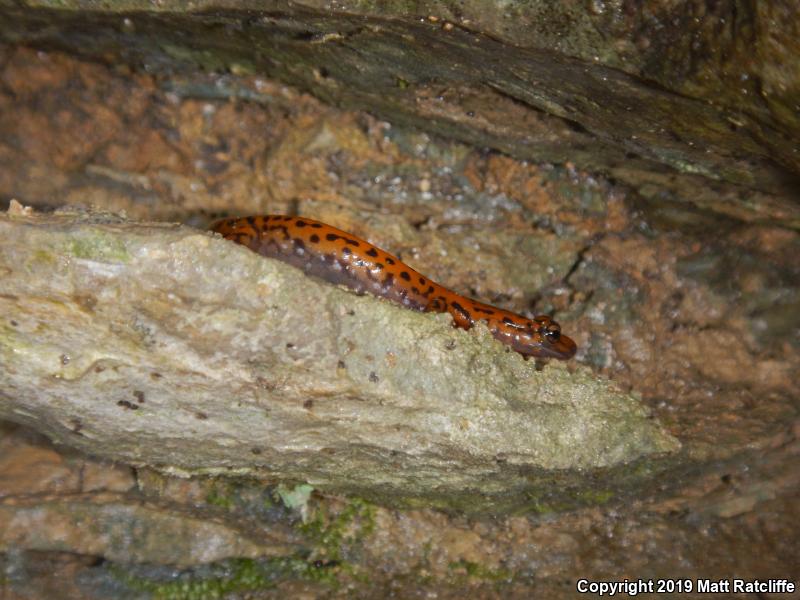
point(422, 281)
point(379, 266)
point(508, 321)
point(437, 305)
point(298, 244)
point(429, 291)
point(331, 237)
point(139, 395)
point(415, 290)
point(389, 260)
point(252, 222)
point(300, 223)
point(355, 243)
point(316, 225)
point(346, 250)
point(485, 311)
point(461, 310)
point(372, 252)
point(404, 275)
point(314, 238)
point(128, 405)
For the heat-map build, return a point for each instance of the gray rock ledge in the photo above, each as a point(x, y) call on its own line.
point(161, 345)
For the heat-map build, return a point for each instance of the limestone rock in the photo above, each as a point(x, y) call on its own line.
point(161, 345)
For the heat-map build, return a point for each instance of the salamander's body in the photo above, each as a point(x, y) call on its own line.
point(342, 258)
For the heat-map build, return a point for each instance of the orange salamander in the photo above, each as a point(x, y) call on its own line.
point(342, 258)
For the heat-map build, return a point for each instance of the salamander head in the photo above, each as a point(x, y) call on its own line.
point(548, 341)
point(539, 337)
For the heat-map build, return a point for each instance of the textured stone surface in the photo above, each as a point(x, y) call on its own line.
point(54, 501)
point(695, 312)
point(162, 345)
point(540, 81)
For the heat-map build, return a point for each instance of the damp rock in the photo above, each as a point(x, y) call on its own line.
point(164, 346)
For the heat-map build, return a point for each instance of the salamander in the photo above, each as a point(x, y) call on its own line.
point(342, 258)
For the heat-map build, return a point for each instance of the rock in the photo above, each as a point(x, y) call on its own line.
point(165, 346)
point(685, 102)
point(54, 502)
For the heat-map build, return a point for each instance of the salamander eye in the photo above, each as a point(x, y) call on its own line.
point(553, 333)
point(549, 329)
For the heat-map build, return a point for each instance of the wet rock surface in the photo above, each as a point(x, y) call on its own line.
point(540, 81)
point(164, 346)
point(691, 313)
